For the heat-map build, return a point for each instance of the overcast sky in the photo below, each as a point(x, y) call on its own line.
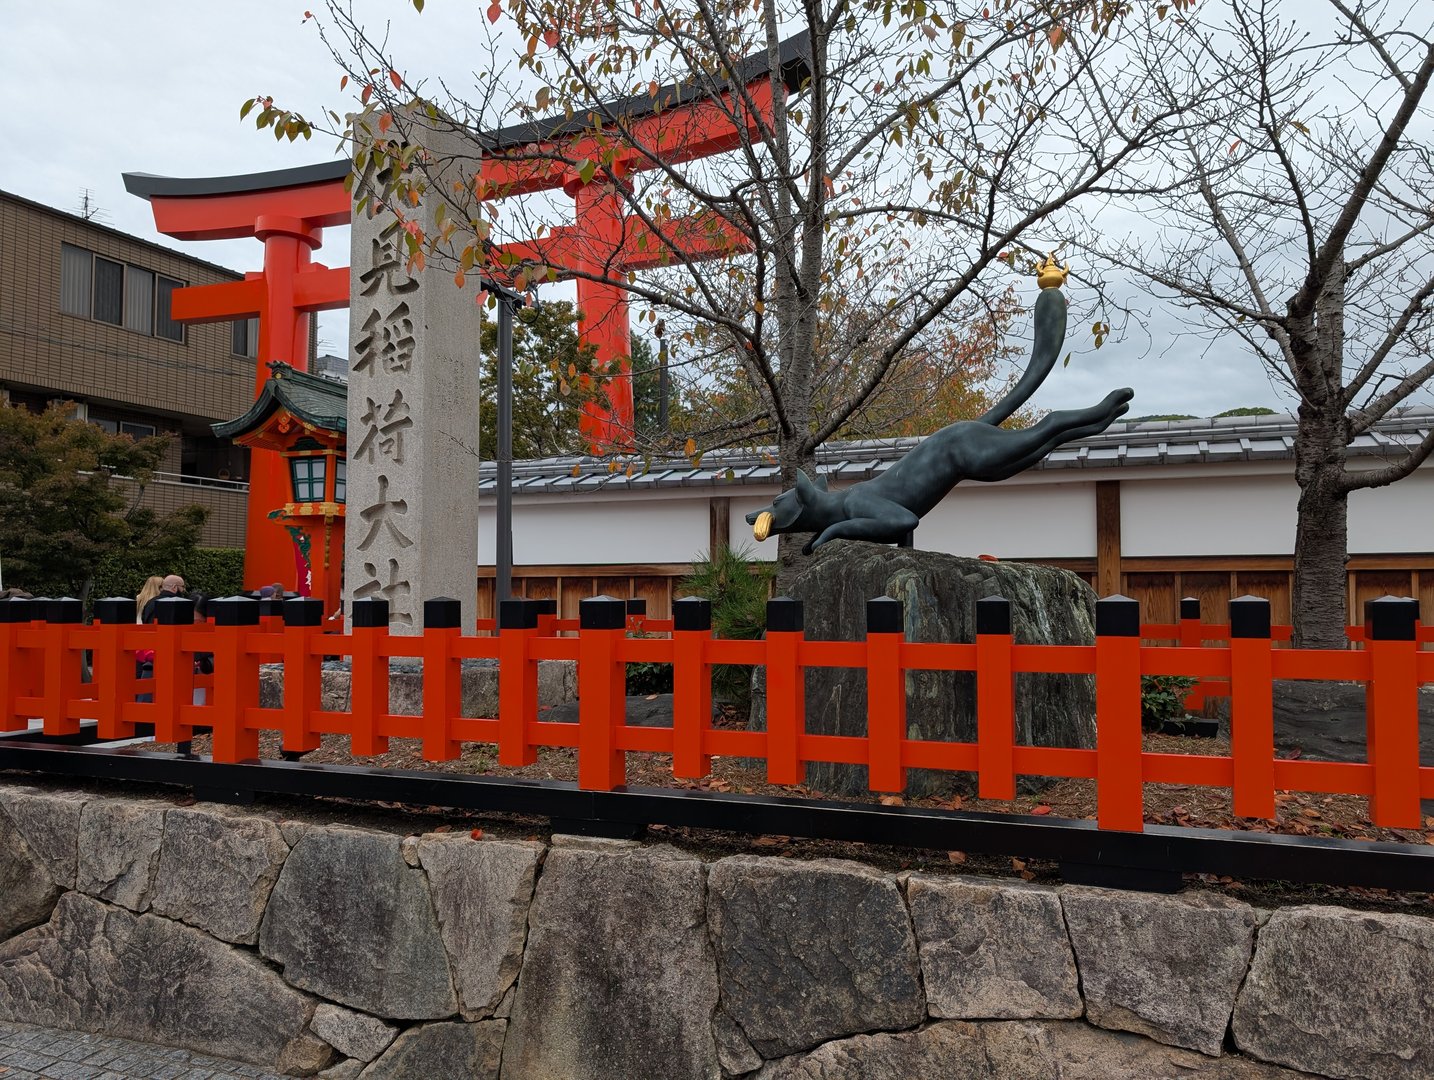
point(94, 89)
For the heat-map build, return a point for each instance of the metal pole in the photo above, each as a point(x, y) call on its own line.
point(662, 425)
point(505, 448)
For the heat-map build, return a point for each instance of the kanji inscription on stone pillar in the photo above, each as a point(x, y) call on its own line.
point(412, 430)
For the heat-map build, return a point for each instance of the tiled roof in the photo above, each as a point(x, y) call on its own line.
point(321, 401)
point(1160, 442)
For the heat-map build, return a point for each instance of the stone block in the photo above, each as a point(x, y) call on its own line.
point(353, 1034)
point(49, 821)
point(1163, 966)
point(119, 842)
point(992, 949)
point(452, 1051)
point(94, 967)
point(351, 921)
point(216, 870)
point(1342, 993)
point(618, 978)
point(481, 893)
point(27, 887)
point(811, 951)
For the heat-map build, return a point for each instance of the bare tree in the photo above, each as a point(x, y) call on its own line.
point(915, 157)
point(1300, 219)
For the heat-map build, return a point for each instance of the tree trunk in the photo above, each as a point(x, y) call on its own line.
point(1320, 601)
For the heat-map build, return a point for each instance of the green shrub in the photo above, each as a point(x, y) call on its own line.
point(212, 571)
point(1162, 698)
point(738, 588)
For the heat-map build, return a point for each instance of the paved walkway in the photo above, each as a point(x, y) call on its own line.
point(27, 1053)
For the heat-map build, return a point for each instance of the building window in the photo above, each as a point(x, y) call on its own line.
point(137, 431)
point(308, 473)
point(246, 338)
point(341, 475)
point(107, 291)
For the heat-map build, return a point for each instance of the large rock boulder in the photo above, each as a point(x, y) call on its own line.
point(350, 919)
point(27, 889)
point(450, 1051)
point(618, 978)
point(119, 842)
point(1048, 607)
point(1305, 1004)
point(810, 951)
point(1164, 966)
point(992, 949)
point(94, 967)
point(49, 822)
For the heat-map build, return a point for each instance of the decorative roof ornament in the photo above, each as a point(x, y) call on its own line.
point(1050, 275)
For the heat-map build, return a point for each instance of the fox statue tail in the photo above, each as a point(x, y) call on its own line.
point(1050, 336)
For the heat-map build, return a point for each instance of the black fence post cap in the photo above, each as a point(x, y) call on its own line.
point(115, 610)
point(65, 609)
point(885, 615)
point(1117, 616)
point(174, 610)
point(1249, 617)
point(235, 611)
point(442, 613)
point(304, 611)
point(546, 606)
point(602, 613)
point(1190, 607)
point(637, 605)
point(993, 615)
point(784, 615)
point(1391, 618)
point(271, 605)
point(369, 612)
point(16, 609)
point(517, 614)
point(692, 613)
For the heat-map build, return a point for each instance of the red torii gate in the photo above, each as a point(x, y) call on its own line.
point(288, 209)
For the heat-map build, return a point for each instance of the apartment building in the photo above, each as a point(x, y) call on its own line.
point(85, 318)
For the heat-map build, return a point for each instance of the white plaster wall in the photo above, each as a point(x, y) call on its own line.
point(1393, 519)
point(1232, 515)
point(551, 531)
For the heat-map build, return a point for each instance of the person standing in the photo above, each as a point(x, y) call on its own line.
point(150, 590)
point(172, 585)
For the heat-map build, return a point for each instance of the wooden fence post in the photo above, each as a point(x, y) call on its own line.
point(113, 667)
point(885, 693)
point(691, 686)
point(368, 675)
point(517, 681)
point(1391, 715)
point(1191, 637)
point(16, 668)
point(303, 673)
point(547, 615)
point(1252, 722)
point(236, 679)
point(173, 668)
point(442, 677)
point(786, 691)
point(1120, 797)
point(602, 693)
point(62, 665)
point(995, 700)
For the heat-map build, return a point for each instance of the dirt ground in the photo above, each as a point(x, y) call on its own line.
point(1299, 813)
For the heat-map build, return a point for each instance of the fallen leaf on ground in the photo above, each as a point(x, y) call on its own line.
point(476, 834)
point(443, 828)
point(892, 800)
point(1041, 810)
point(960, 856)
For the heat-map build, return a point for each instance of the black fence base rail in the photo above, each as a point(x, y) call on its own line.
point(1153, 860)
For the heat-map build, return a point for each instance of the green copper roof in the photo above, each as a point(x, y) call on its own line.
point(312, 398)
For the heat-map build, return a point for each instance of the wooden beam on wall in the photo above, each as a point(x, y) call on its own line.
point(1107, 537)
point(720, 513)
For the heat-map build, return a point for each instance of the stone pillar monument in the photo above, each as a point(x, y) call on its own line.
point(412, 428)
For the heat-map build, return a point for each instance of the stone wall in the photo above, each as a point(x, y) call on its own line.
point(310, 947)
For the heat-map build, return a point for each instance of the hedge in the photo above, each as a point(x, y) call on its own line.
point(212, 571)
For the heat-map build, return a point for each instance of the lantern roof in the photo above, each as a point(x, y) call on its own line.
point(315, 401)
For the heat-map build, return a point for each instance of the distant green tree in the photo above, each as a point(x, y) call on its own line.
point(552, 377)
point(1247, 410)
point(70, 498)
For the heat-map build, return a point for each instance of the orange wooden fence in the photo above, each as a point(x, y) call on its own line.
point(43, 644)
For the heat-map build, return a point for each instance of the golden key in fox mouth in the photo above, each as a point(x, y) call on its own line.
point(762, 527)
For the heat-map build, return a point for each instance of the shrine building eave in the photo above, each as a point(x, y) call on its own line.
point(149, 186)
point(314, 401)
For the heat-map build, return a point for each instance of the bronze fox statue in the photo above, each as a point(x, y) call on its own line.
point(886, 508)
